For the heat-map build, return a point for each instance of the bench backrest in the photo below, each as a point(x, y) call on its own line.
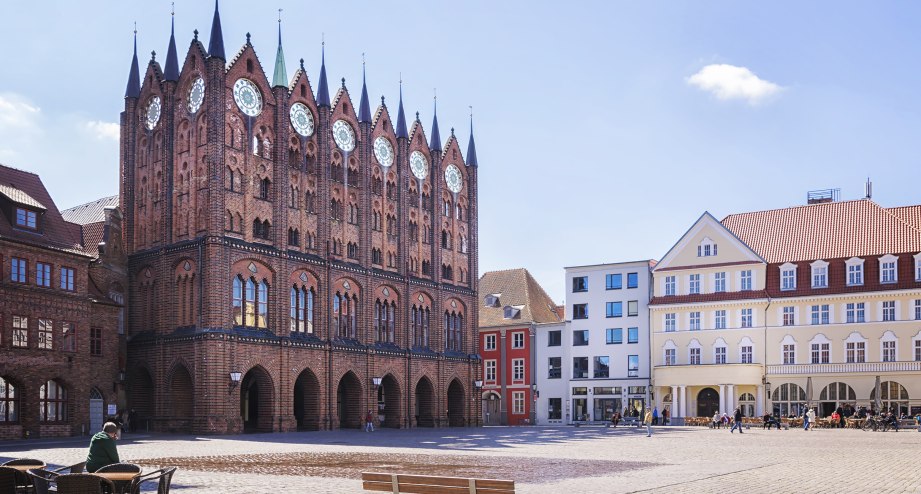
point(424, 484)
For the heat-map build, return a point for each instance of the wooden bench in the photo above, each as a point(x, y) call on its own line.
point(425, 484)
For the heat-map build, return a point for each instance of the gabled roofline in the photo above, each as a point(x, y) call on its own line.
point(706, 214)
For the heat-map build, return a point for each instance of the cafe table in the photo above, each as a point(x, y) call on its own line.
point(24, 468)
point(122, 480)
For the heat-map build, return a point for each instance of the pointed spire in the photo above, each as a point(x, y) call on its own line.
point(134, 77)
point(323, 87)
point(281, 74)
point(216, 44)
point(171, 71)
point(364, 108)
point(471, 146)
point(435, 144)
point(401, 117)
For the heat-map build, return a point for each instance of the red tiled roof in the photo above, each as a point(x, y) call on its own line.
point(92, 236)
point(826, 231)
point(517, 288)
point(55, 232)
point(699, 298)
point(908, 214)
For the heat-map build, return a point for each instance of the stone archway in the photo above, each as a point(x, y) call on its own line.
point(307, 401)
point(257, 400)
point(141, 399)
point(348, 402)
point(457, 416)
point(388, 403)
point(425, 403)
point(182, 396)
point(708, 402)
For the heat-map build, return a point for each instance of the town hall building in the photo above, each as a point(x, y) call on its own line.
point(295, 260)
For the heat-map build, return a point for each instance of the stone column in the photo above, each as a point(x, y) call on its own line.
point(730, 397)
point(722, 398)
point(674, 409)
point(759, 401)
point(684, 401)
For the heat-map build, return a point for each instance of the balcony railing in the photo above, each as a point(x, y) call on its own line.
point(869, 367)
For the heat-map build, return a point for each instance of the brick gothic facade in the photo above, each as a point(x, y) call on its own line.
point(258, 250)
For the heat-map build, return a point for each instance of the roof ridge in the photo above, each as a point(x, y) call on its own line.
point(801, 206)
point(18, 169)
point(899, 219)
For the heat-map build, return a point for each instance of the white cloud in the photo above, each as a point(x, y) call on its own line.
point(728, 82)
point(103, 130)
point(17, 113)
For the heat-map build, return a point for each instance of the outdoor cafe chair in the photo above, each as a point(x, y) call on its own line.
point(163, 477)
point(8, 477)
point(23, 481)
point(75, 468)
point(42, 480)
point(120, 467)
point(83, 483)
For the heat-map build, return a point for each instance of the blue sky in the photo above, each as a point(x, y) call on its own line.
point(604, 129)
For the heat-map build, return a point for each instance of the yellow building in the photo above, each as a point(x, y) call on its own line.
point(772, 310)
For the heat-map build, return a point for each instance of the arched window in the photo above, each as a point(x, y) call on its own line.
point(52, 402)
point(9, 402)
point(747, 404)
point(302, 298)
point(265, 186)
point(262, 319)
point(238, 300)
point(892, 395)
point(337, 316)
point(453, 331)
point(391, 323)
point(789, 400)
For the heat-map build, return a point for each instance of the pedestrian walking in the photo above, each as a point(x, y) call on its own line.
point(369, 422)
point(665, 416)
point(808, 417)
point(648, 421)
point(737, 421)
point(655, 416)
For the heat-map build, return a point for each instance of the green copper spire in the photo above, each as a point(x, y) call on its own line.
point(281, 74)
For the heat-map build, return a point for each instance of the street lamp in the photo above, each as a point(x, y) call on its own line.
point(376, 381)
point(477, 384)
point(235, 377)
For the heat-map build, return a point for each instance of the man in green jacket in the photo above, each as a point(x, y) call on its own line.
point(102, 448)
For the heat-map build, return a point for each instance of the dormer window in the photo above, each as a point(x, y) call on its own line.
point(706, 248)
point(854, 271)
point(819, 274)
point(788, 276)
point(26, 218)
point(918, 266)
point(510, 312)
point(491, 301)
point(888, 272)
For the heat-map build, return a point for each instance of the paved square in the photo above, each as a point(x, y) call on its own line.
point(539, 459)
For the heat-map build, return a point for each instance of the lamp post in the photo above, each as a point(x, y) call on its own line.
point(235, 377)
point(478, 385)
point(533, 407)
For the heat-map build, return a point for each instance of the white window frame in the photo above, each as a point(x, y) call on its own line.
point(486, 368)
point(518, 402)
point(719, 319)
point(746, 320)
point(719, 352)
point(888, 269)
point(518, 370)
point(719, 282)
point(788, 350)
point(860, 348)
point(518, 340)
point(917, 266)
point(694, 354)
point(820, 314)
point(888, 337)
point(859, 312)
point(893, 311)
point(819, 274)
point(918, 309)
point(693, 284)
point(669, 357)
point(788, 276)
point(671, 285)
point(818, 341)
point(743, 286)
point(706, 248)
point(746, 354)
point(489, 342)
point(691, 319)
point(854, 270)
point(671, 322)
point(783, 314)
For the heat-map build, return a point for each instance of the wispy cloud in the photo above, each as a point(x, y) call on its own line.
point(17, 112)
point(728, 82)
point(102, 130)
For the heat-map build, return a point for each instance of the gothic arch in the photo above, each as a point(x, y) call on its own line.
point(257, 399)
point(424, 399)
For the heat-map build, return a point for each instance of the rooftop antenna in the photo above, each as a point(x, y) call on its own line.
point(868, 189)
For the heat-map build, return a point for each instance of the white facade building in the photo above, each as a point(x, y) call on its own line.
point(603, 354)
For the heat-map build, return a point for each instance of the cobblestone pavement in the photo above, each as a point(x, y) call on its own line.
point(674, 460)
